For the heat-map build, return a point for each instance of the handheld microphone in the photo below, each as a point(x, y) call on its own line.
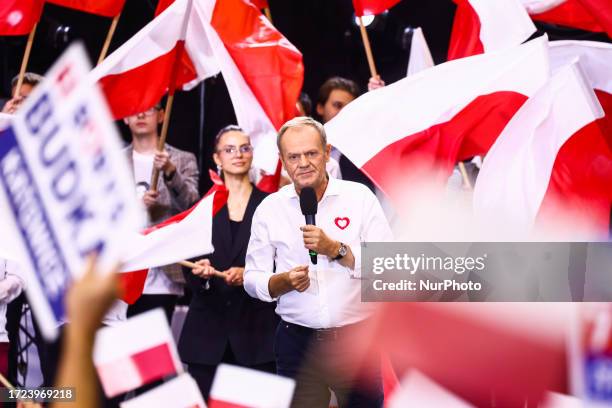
point(308, 205)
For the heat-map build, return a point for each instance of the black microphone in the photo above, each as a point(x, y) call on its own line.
point(308, 205)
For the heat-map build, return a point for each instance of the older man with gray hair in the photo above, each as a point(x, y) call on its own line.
point(319, 304)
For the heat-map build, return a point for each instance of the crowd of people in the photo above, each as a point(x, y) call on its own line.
point(257, 301)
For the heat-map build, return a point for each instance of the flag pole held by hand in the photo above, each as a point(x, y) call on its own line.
point(162, 138)
point(26, 58)
point(192, 265)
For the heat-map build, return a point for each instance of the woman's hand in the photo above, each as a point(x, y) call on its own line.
point(204, 269)
point(234, 276)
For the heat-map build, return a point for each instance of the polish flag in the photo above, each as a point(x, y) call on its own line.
point(161, 50)
point(528, 158)
point(238, 387)
point(372, 7)
point(416, 129)
point(106, 8)
point(18, 17)
point(483, 26)
point(589, 15)
point(161, 6)
point(135, 352)
point(183, 236)
point(260, 4)
point(262, 70)
point(420, 56)
point(180, 392)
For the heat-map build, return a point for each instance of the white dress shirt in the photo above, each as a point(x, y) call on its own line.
point(348, 212)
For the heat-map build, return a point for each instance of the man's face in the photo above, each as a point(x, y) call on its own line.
point(337, 100)
point(24, 91)
point(145, 123)
point(304, 157)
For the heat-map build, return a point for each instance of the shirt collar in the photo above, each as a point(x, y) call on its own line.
point(333, 188)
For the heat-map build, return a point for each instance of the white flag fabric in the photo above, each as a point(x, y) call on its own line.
point(135, 352)
point(420, 56)
point(184, 239)
point(180, 392)
point(243, 387)
point(516, 172)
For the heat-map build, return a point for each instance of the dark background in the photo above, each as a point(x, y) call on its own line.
point(323, 30)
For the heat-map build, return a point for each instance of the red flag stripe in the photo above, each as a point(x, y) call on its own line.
point(154, 363)
point(133, 85)
point(270, 65)
point(571, 14)
point(213, 403)
point(465, 36)
point(18, 17)
point(106, 8)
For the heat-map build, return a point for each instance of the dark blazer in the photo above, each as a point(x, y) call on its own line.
point(223, 313)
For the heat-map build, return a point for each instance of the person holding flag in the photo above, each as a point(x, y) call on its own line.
point(224, 324)
point(175, 192)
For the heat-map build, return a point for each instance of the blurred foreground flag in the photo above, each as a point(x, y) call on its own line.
point(238, 387)
point(415, 130)
point(180, 392)
point(420, 56)
point(482, 26)
point(18, 17)
point(519, 168)
point(526, 341)
point(135, 352)
point(591, 354)
point(183, 236)
point(417, 391)
point(372, 7)
point(106, 8)
point(65, 188)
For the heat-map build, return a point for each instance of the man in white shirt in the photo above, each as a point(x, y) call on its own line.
point(177, 190)
point(318, 303)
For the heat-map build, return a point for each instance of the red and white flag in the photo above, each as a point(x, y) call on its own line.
point(106, 8)
point(372, 7)
point(416, 129)
point(183, 236)
point(161, 50)
point(589, 15)
point(18, 17)
point(520, 167)
point(135, 352)
point(420, 56)
point(180, 392)
point(239, 387)
point(482, 26)
point(262, 70)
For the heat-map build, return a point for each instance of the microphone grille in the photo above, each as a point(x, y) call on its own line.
point(308, 201)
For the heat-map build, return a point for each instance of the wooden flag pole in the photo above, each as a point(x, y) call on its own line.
point(194, 265)
point(368, 49)
point(268, 14)
point(26, 58)
point(6, 382)
point(109, 37)
point(162, 138)
point(464, 175)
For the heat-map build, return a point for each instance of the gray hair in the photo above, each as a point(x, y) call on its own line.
point(300, 122)
point(29, 78)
